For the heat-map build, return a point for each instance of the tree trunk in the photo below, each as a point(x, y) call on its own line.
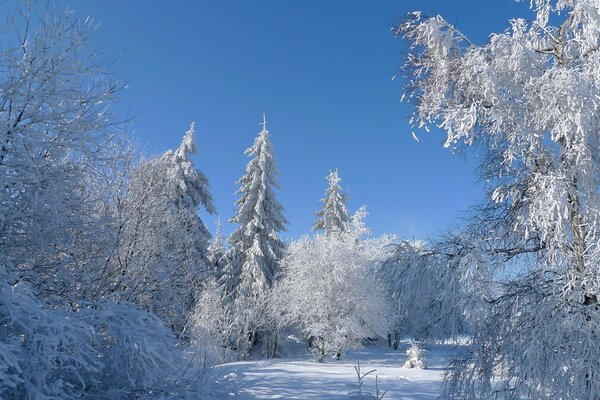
point(396, 340)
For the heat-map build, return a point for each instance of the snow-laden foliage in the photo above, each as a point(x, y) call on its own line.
point(102, 350)
point(162, 250)
point(415, 357)
point(255, 248)
point(214, 325)
point(330, 291)
point(43, 353)
point(428, 294)
point(55, 138)
point(228, 332)
point(528, 99)
point(216, 253)
point(74, 216)
point(334, 216)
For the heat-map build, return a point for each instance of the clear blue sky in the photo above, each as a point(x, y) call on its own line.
point(321, 71)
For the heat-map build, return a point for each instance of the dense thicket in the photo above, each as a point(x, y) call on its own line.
point(100, 256)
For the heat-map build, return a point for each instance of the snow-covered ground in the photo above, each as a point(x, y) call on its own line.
point(305, 378)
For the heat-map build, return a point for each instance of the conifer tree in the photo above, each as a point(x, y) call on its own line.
point(333, 217)
point(255, 247)
point(162, 251)
point(216, 251)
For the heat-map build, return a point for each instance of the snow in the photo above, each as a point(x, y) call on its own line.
point(306, 378)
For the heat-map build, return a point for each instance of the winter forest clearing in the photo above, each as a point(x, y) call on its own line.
point(305, 378)
point(113, 286)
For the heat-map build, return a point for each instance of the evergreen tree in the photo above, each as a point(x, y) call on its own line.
point(162, 254)
point(216, 251)
point(255, 247)
point(333, 217)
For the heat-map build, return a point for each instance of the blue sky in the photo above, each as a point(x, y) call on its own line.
point(321, 71)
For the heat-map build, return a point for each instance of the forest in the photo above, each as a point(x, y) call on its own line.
point(113, 287)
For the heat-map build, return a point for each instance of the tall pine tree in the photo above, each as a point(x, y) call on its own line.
point(333, 217)
point(255, 247)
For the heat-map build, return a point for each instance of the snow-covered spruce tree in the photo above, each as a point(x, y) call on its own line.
point(330, 291)
point(255, 247)
point(333, 217)
point(216, 251)
point(162, 254)
point(528, 99)
point(415, 357)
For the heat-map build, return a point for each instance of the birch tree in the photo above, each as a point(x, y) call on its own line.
point(528, 102)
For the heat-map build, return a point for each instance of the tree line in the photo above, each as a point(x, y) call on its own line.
point(111, 285)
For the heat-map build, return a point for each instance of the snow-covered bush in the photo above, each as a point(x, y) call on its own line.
point(415, 357)
point(138, 352)
point(213, 324)
point(225, 330)
point(102, 350)
point(329, 290)
point(44, 353)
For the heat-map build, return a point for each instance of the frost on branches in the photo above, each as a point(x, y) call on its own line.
point(330, 291)
point(162, 254)
point(104, 351)
point(55, 140)
point(80, 228)
point(333, 217)
point(427, 293)
point(528, 99)
point(213, 324)
point(255, 247)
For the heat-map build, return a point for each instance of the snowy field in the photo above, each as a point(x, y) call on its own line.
point(305, 378)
